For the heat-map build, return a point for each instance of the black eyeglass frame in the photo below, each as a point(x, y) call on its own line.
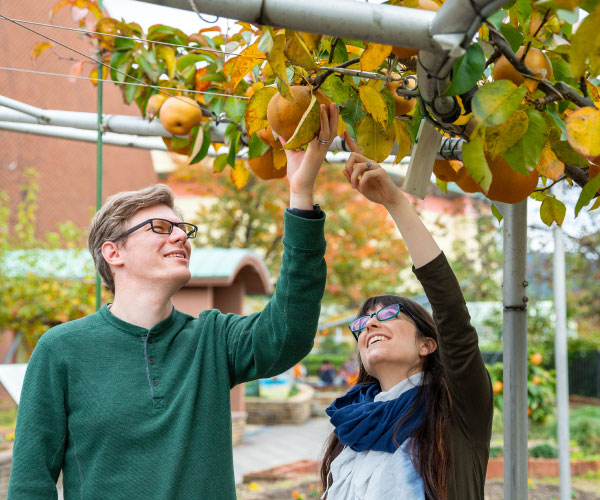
point(154, 230)
point(401, 309)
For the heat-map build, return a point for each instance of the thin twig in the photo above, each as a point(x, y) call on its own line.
point(335, 42)
point(550, 185)
point(318, 80)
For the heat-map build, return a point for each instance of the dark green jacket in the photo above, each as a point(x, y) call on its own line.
point(129, 413)
point(468, 381)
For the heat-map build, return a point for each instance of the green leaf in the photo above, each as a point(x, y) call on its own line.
point(234, 144)
point(390, 105)
point(124, 44)
point(189, 59)
point(561, 124)
point(373, 140)
point(256, 147)
point(121, 61)
point(501, 137)
point(340, 53)
point(524, 9)
point(467, 70)
point(552, 210)
point(352, 111)
point(587, 193)
point(495, 102)
point(496, 213)
point(147, 62)
point(336, 88)
point(525, 154)
point(561, 69)
point(220, 163)
point(565, 153)
point(513, 35)
point(497, 17)
point(204, 148)
point(475, 162)
point(235, 108)
point(585, 46)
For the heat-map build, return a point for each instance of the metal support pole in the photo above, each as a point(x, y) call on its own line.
point(561, 364)
point(515, 350)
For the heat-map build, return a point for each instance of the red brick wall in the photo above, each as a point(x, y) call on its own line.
point(67, 168)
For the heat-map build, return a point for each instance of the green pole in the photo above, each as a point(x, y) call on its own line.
point(99, 164)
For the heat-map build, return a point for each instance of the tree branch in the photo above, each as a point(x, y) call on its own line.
point(318, 80)
point(560, 90)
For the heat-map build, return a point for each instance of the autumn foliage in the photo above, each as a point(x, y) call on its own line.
point(526, 88)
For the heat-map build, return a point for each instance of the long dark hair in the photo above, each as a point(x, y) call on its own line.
point(429, 448)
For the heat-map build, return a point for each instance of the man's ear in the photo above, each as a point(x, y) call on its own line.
point(428, 345)
point(112, 253)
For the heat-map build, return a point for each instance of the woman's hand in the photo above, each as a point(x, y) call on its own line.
point(303, 166)
point(369, 178)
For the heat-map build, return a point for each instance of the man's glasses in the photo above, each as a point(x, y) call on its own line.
point(384, 314)
point(164, 226)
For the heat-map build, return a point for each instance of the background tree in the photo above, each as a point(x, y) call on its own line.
point(364, 253)
point(30, 303)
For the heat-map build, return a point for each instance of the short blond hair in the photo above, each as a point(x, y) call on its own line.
point(110, 221)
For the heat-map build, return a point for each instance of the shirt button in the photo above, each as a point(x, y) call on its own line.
point(155, 382)
point(151, 361)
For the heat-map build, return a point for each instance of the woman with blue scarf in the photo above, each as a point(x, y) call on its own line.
point(417, 424)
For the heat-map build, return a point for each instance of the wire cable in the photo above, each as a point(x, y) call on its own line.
point(45, 73)
point(135, 39)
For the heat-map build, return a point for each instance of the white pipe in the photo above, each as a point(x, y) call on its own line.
point(387, 24)
point(562, 365)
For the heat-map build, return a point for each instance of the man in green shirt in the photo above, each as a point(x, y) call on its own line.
point(132, 402)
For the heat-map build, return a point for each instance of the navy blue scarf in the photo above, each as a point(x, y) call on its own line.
point(364, 424)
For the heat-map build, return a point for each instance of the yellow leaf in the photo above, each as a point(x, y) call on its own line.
point(308, 127)
point(402, 138)
point(342, 127)
point(94, 74)
point(499, 138)
point(240, 174)
point(167, 54)
point(311, 40)
point(255, 115)
point(583, 131)
point(279, 158)
point(585, 45)
point(374, 55)
point(596, 204)
point(237, 68)
point(297, 51)
point(373, 104)
point(549, 165)
point(60, 5)
point(38, 48)
point(373, 140)
point(276, 60)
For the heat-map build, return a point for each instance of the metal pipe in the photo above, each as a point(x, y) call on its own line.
point(562, 365)
point(515, 350)
point(387, 24)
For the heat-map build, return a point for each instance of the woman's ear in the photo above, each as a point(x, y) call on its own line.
point(112, 253)
point(428, 345)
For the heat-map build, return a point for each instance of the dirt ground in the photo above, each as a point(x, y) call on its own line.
point(494, 490)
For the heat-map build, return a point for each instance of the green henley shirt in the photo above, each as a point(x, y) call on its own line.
point(129, 413)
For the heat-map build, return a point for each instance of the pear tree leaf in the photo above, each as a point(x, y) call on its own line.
point(585, 46)
point(495, 102)
point(297, 51)
point(255, 115)
point(256, 147)
point(308, 127)
point(587, 193)
point(201, 154)
point(583, 131)
point(374, 55)
point(402, 138)
point(549, 165)
point(373, 104)
point(220, 163)
point(373, 140)
point(336, 88)
point(524, 154)
point(467, 70)
point(499, 138)
point(476, 163)
point(276, 60)
point(239, 174)
point(513, 35)
point(496, 213)
point(552, 210)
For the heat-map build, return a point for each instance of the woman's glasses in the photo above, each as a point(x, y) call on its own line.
point(384, 314)
point(163, 226)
